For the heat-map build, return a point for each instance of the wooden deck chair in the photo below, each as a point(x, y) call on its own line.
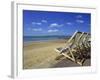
point(86, 46)
point(70, 42)
point(82, 49)
point(88, 41)
point(74, 42)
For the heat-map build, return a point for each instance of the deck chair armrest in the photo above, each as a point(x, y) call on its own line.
point(61, 50)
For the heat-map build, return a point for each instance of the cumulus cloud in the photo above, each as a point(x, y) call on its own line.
point(56, 25)
point(69, 23)
point(39, 23)
point(36, 23)
point(37, 29)
point(53, 30)
point(44, 21)
point(79, 16)
point(79, 21)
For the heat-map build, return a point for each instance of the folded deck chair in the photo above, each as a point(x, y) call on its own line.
point(73, 49)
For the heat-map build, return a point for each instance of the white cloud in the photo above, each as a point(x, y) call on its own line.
point(36, 23)
point(37, 29)
point(53, 30)
point(39, 23)
point(79, 16)
point(69, 23)
point(79, 21)
point(33, 22)
point(53, 25)
point(56, 25)
point(44, 21)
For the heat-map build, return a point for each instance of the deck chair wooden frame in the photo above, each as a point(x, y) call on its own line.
point(69, 50)
point(83, 48)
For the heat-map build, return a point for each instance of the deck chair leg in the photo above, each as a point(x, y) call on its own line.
point(71, 54)
point(81, 62)
point(68, 57)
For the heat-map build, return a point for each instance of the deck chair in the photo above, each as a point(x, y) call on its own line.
point(73, 49)
point(86, 46)
point(87, 41)
point(83, 49)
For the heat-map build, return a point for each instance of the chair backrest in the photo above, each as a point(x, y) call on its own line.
point(84, 38)
point(87, 39)
point(78, 38)
point(75, 39)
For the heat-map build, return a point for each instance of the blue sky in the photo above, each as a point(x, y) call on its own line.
point(38, 23)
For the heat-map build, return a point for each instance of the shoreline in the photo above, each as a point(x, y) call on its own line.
point(43, 41)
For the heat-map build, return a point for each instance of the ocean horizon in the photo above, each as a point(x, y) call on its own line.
point(43, 38)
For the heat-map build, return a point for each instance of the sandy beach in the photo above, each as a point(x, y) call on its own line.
point(42, 55)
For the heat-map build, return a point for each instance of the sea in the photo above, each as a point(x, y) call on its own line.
point(43, 38)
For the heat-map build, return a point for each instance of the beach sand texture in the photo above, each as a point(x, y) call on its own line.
point(42, 55)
